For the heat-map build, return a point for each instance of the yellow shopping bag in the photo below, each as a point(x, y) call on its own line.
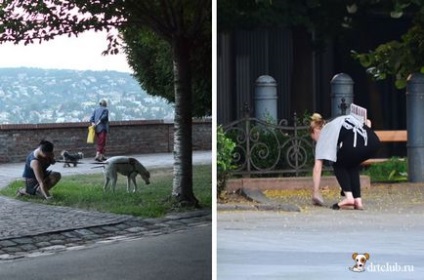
point(91, 134)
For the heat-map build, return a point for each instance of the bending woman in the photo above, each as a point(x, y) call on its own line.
point(347, 142)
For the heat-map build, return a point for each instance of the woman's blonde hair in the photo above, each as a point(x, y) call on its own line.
point(316, 122)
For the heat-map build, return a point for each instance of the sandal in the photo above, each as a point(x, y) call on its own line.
point(317, 202)
point(21, 192)
point(335, 206)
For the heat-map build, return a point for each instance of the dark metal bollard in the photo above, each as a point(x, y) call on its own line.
point(415, 127)
point(266, 98)
point(341, 94)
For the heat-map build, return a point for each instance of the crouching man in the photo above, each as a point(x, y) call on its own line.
point(39, 180)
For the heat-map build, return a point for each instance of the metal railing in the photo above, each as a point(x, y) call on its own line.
point(268, 149)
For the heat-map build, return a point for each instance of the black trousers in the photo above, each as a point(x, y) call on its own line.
point(349, 158)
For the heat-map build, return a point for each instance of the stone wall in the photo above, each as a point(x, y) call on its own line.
point(125, 137)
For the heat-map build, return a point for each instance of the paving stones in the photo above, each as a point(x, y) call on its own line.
point(72, 239)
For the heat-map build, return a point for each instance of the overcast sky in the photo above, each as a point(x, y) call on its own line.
point(82, 53)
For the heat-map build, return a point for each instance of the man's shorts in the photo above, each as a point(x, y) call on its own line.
point(31, 184)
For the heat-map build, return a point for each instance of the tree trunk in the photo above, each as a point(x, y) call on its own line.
point(182, 189)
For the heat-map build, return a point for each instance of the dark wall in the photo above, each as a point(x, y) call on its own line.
point(303, 73)
point(242, 57)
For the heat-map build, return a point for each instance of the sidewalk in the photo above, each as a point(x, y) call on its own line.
point(318, 242)
point(28, 228)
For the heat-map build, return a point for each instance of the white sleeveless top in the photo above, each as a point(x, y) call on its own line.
point(326, 147)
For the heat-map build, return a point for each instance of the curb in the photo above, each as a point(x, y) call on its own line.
point(262, 203)
point(76, 239)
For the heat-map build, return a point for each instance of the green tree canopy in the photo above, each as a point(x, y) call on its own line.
point(324, 17)
point(151, 59)
point(398, 58)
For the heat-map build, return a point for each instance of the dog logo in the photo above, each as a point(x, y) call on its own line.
point(360, 261)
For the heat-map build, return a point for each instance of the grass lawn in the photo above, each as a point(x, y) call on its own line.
point(86, 192)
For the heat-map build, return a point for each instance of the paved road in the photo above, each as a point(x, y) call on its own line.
point(27, 229)
point(178, 256)
point(318, 243)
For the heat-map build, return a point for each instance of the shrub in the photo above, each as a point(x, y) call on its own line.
point(224, 161)
point(393, 170)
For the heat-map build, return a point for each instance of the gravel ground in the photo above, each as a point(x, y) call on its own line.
point(386, 197)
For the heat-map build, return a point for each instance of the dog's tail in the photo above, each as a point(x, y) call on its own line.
point(102, 166)
point(68, 161)
point(99, 164)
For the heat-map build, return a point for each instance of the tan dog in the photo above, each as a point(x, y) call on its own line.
point(126, 166)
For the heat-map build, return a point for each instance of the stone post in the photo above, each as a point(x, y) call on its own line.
point(266, 99)
point(341, 94)
point(415, 127)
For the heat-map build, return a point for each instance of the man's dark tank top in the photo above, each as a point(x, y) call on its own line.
point(28, 171)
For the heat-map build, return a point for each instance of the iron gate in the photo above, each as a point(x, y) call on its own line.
point(267, 149)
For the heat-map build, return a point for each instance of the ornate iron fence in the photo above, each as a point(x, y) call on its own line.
point(264, 148)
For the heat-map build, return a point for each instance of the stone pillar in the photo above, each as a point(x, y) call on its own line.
point(266, 99)
point(415, 127)
point(341, 94)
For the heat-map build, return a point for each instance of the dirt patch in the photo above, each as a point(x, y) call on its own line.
point(235, 198)
point(398, 197)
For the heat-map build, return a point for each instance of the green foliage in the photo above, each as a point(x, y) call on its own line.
point(86, 192)
point(323, 16)
point(151, 59)
point(393, 170)
point(31, 21)
point(398, 59)
point(224, 158)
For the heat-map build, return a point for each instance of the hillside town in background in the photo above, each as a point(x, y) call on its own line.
point(34, 95)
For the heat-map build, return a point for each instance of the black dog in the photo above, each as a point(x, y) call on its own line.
point(71, 158)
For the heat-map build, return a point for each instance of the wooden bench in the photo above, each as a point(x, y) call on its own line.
point(388, 136)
